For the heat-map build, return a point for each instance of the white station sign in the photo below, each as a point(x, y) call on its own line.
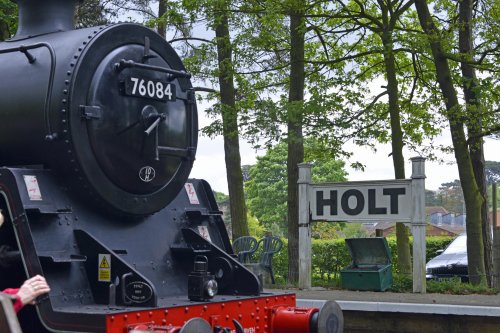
point(373, 201)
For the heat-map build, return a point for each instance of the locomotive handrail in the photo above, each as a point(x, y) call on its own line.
point(119, 66)
point(48, 97)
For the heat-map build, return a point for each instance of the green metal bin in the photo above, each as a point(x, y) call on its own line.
point(371, 267)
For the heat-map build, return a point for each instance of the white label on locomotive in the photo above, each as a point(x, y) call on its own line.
point(191, 192)
point(33, 188)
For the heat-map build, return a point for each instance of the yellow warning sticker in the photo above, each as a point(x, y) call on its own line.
point(104, 262)
point(104, 269)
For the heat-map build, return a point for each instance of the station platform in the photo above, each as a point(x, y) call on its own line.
point(388, 312)
point(351, 297)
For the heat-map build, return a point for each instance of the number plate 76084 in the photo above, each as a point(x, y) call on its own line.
point(149, 88)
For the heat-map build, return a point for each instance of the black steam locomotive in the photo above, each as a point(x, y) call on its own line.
point(98, 135)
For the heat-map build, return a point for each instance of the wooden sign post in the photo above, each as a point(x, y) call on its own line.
point(401, 200)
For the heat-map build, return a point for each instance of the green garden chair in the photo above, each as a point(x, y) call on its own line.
point(270, 246)
point(244, 247)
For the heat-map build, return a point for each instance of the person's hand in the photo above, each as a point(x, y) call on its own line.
point(32, 288)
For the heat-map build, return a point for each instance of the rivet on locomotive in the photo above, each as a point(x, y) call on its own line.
point(98, 135)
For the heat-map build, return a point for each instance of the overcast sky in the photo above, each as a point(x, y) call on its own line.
point(209, 164)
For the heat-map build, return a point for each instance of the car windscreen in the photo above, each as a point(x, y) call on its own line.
point(459, 245)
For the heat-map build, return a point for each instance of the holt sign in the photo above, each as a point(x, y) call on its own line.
point(362, 201)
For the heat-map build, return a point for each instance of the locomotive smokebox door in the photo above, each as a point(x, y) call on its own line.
point(139, 136)
point(136, 124)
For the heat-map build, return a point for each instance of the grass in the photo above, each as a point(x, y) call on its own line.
point(404, 284)
point(457, 288)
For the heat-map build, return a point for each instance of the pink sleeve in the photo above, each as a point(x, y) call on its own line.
point(18, 305)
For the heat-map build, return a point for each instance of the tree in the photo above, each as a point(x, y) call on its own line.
point(472, 194)
point(212, 59)
point(432, 199)
point(451, 196)
point(474, 123)
point(295, 139)
point(267, 187)
point(230, 120)
point(90, 13)
point(382, 45)
point(8, 19)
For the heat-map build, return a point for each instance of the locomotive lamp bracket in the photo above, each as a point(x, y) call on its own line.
point(238, 280)
point(147, 47)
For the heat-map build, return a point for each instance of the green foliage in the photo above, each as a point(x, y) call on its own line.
point(222, 200)
point(353, 230)
point(8, 19)
point(221, 197)
point(90, 13)
point(404, 284)
point(436, 243)
point(254, 227)
point(267, 185)
point(330, 256)
point(456, 287)
point(266, 189)
point(401, 283)
point(326, 230)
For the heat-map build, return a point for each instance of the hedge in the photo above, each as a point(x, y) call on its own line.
point(330, 256)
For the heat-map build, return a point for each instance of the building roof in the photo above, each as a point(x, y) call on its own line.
point(446, 229)
point(455, 229)
point(435, 209)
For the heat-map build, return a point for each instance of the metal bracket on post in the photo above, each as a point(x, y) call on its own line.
point(418, 224)
point(305, 248)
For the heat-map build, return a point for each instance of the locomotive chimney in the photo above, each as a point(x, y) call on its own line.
point(38, 17)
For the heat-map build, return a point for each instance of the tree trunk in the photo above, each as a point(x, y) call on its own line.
point(162, 26)
point(474, 125)
point(230, 127)
point(4, 31)
point(295, 137)
point(402, 238)
point(472, 196)
point(496, 239)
